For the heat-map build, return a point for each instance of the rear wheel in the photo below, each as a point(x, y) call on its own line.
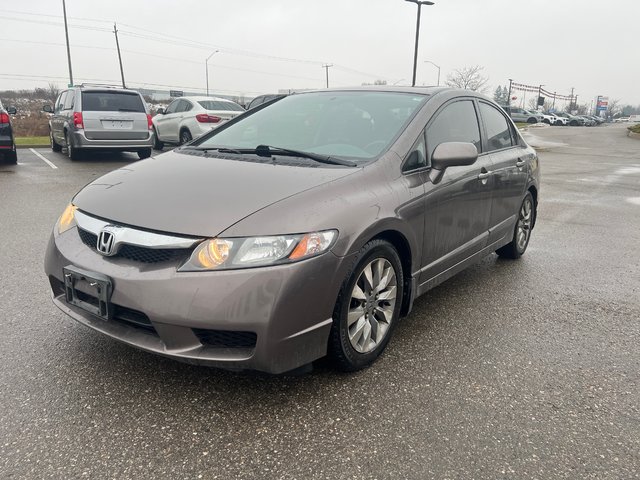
point(157, 144)
point(55, 146)
point(532, 120)
point(522, 231)
point(367, 308)
point(72, 152)
point(146, 153)
point(185, 136)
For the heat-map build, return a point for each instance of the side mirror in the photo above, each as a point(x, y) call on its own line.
point(451, 154)
point(47, 108)
point(160, 111)
point(12, 110)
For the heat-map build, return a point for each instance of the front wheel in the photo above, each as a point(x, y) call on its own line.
point(532, 120)
point(522, 231)
point(368, 307)
point(55, 146)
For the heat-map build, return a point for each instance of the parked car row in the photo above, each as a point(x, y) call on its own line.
point(556, 118)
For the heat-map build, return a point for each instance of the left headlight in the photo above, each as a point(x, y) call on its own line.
point(235, 253)
point(68, 219)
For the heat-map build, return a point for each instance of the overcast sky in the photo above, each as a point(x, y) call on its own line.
point(589, 45)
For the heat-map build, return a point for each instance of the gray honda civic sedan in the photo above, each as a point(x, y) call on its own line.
point(301, 229)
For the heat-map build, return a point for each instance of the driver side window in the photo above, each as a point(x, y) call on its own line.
point(172, 107)
point(457, 122)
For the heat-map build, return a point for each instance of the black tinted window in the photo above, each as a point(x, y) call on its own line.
point(498, 131)
point(456, 123)
point(218, 105)
point(112, 102)
point(183, 106)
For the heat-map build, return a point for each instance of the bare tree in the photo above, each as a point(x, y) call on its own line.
point(52, 92)
point(613, 108)
point(468, 78)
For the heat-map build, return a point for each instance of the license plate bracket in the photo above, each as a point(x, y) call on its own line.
point(90, 291)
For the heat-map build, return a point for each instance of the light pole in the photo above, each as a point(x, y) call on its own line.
point(66, 34)
point(206, 66)
point(419, 3)
point(437, 66)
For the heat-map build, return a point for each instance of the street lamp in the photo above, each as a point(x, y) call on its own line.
point(419, 3)
point(437, 66)
point(206, 66)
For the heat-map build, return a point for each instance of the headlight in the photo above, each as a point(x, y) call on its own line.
point(68, 218)
point(231, 253)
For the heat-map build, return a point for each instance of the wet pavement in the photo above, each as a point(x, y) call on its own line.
point(526, 369)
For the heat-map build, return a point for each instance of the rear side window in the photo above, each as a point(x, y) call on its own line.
point(498, 131)
point(457, 122)
point(218, 105)
point(68, 101)
point(112, 102)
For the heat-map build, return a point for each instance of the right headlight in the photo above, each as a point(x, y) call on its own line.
point(68, 219)
point(247, 252)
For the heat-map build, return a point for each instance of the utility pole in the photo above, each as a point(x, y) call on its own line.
point(206, 66)
point(66, 34)
point(571, 101)
point(115, 32)
point(509, 97)
point(419, 3)
point(326, 67)
point(554, 100)
point(539, 95)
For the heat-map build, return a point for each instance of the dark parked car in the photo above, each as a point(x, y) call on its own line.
point(89, 118)
point(8, 151)
point(572, 120)
point(256, 102)
point(302, 229)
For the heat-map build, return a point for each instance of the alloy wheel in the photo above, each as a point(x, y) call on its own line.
point(373, 300)
point(525, 220)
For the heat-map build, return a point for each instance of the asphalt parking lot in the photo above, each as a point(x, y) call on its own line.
point(527, 369)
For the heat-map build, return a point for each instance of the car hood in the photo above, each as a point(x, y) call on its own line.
point(196, 195)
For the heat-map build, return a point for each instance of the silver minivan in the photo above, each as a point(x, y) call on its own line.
point(97, 117)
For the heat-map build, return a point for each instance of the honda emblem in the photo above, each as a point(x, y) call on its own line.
point(106, 244)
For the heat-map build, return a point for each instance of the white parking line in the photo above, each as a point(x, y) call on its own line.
point(43, 159)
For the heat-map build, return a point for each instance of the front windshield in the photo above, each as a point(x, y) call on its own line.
point(358, 125)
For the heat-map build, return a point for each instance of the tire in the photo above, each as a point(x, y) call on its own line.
point(11, 158)
point(72, 152)
point(547, 121)
point(532, 120)
point(573, 123)
point(358, 316)
point(55, 146)
point(142, 154)
point(185, 136)
point(522, 231)
point(157, 144)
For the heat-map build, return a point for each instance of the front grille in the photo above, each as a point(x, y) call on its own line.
point(226, 338)
point(135, 252)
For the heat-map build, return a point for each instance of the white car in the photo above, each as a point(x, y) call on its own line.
point(187, 118)
point(634, 118)
point(558, 120)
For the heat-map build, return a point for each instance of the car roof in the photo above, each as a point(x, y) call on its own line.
point(204, 99)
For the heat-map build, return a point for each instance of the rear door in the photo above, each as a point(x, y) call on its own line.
point(114, 115)
point(459, 206)
point(510, 161)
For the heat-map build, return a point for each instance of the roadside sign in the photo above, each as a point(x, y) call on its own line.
point(176, 93)
point(602, 103)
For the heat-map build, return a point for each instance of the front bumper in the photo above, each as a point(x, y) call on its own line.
point(288, 307)
point(79, 140)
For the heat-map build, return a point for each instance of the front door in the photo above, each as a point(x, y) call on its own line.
point(457, 208)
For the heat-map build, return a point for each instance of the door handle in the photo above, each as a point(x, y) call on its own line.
point(484, 175)
point(520, 163)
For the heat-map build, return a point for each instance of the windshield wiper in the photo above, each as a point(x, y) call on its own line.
point(269, 151)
